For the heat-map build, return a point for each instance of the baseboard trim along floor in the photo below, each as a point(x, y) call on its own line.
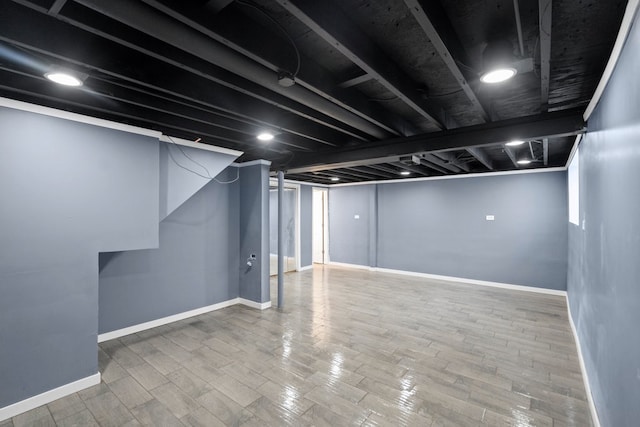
point(48, 397)
point(455, 279)
point(583, 369)
point(180, 316)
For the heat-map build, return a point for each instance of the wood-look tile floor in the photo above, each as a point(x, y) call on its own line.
point(351, 347)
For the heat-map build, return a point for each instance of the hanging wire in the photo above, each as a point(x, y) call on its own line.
point(280, 27)
point(207, 176)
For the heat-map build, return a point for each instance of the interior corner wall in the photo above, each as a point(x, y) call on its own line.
point(440, 227)
point(254, 232)
point(195, 265)
point(604, 272)
point(69, 190)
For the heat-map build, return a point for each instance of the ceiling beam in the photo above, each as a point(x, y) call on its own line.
point(166, 29)
point(544, 8)
point(481, 156)
point(332, 25)
point(433, 27)
point(561, 123)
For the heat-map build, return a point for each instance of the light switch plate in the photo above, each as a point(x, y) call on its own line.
point(491, 218)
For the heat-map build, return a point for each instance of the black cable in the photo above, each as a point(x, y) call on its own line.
point(280, 27)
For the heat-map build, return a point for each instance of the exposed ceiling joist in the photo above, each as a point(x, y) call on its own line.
point(451, 158)
point(561, 123)
point(217, 5)
point(341, 33)
point(544, 7)
point(56, 7)
point(434, 166)
point(162, 27)
point(249, 40)
point(210, 87)
point(482, 157)
point(423, 10)
point(354, 81)
point(511, 154)
point(436, 161)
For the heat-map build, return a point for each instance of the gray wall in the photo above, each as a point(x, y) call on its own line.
point(439, 227)
point(289, 212)
point(350, 239)
point(604, 268)
point(195, 265)
point(254, 232)
point(69, 190)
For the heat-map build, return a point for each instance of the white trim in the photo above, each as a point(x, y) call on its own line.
point(52, 112)
point(456, 279)
point(309, 184)
point(251, 163)
point(48, 397)
point(347, 265)
point(306, 267)
point(165, 320)
point(469, 175)
point(574, 148)
point(583, 368)
point(625, 27)
point(180, 141)
point(180, 316)
point(253, 304)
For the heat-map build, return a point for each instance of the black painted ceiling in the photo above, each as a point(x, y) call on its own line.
point(380, 86)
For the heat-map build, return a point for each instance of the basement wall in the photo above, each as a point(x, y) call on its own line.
point(440, 227)
point(604, 248)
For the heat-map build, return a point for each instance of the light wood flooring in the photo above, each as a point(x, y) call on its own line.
point(351, 347)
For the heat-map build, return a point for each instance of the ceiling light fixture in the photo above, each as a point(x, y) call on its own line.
point(335, 178)
point(498, 62)
point(405, 173)
point(515, 143)
point(265, 136)
point(286, 79)
point(63, 78)
point(524, 161)
point(498, 75)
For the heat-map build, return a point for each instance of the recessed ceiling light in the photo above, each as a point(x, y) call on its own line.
point(524, 161)
point(265, 136)
point(62, 78)
point(405, 173)
point(514, 143)
point(498, 75)
point(335, 178)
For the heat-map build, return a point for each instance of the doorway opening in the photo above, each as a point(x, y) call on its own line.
point(320, 225)
point(291, 232)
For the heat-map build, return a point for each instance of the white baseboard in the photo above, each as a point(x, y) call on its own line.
point(253, 304)
point(306, 267)
point(456, 279)
point(583, 368)
point(48, 397)
point(180, 316)
point(344, 264)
